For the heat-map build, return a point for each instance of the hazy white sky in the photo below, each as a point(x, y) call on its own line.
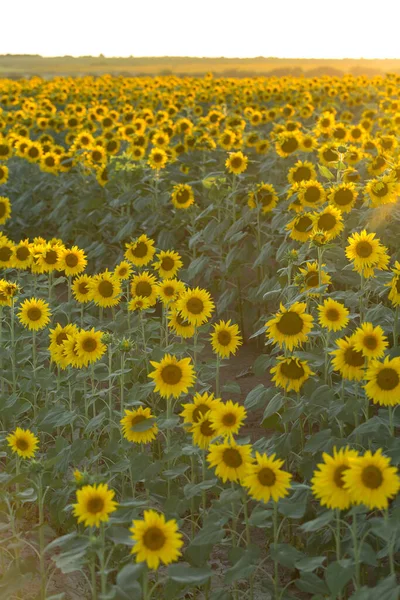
point(234, 28)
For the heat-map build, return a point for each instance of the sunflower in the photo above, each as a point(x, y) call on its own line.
point(309, 278)
point(180, 325)
point(172, 377)
point(23, 442)
point(333, 315)
point(33, 152)
point(123, 270)
point(266, 479)
point(21, 257)
point(137, 153)
point(264, 196)
point(144, 285)
point(3, 174)
point(290, 326)
point(311, 193)
point(371, 480)
point(81, 288)
point(301, 171)
point(158, 158)
point(68, 355)
point(394, 284)
point(203, 431)
point(49, 162)
point(101, 175)
point(46, 257)
point(366, 252)
point(169, 290)
point(202, 404)
point(382, 191)
point(383, 379)
point(6, 252)
point(145, 432)
point(225, 339)
point(230, 459)
point(156, 540)
point(34, 314)
point(140, 251)
point(182, 196)
point(88, 346)
point(167, 264)
point(287, 143)
point(330, 221)
point(58, 335)
point(104, 289)
point(343, 196)
point(5, 209)
point(328, 154)
point(370, 340)
point(139, 303)
point(94, 504)
point(347, 360)
point(195, 305)
point(236, 163)
point(72, 261)
point(290, 373)
point(328, 482)
point(300, 228)
point(227, 418)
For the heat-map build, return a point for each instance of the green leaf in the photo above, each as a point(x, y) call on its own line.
point(309, 582)
point(273, 405)
point(119, 535)
point(231, 387)
point(245, 566)
point(127, 585)
point(191, 490)
point(285, 554)
point(144, 425)
point(325, 172)
point(208, 535)
point(337, 575)
point(295, 506)
point(184, 573)
point(256, 398)
point(319, 441)
point(319, 522)
point(310, 563)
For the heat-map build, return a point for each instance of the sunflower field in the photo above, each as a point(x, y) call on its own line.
point(199, 338)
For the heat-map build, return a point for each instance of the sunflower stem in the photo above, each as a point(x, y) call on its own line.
point(356, 550)
point(391, 422)
point(103, 575)
point(41, 539)
point(110, 387)
point(396, 318)
point(121, 384)
point(145, 585)
point(276, 536)
point(391, 542)
point(248, 541)
point(93, 576)
point(192, 501)
point(34, 361)
point(13, 354)
point(217, 376)
point(326, 364)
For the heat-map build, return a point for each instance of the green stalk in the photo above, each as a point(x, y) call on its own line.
point(356, 551)
point(248, 541)
point(93, 576)
point(217, 384)
point(13, 358)
point(110, 398)
point(1, 357)
point(34, 362)
point(276, 571)
point(41, 540)
point(395, 335)
point(103, 575)
point(121, 383)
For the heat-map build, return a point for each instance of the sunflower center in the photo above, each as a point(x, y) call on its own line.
point(382, 191)
point(264, 197)
point(61, 338)
point(229, 419)
point(326, 222)
point(292, 369)
point(312, 279)
point(169, 290)
point(154, 539)
point(195, 306)
point(171, 374)
point(181, 321)
point(207, 429)
point(372, 477)
point(388, 379)
point(232, 458)
point(83, 288)
point(312, 194)
point(140, 250)
point(370, 342)
point(290, 145)
point(332, 314)
point(224, 338)
point(343, 197)
point(122, 272)
point(330, 155)
point(106, 289)
point(22, 253)
point(71, 260)
point(182, 196)
point(34, 313)
point(137, 419)
point(353, 358)
point(2, 209)
point(5, 254)
point(338, 475)
point(236, 162)
point(364, 249)
point(143, 289)
point(303, 224)
point(95, 505)
point(167, 263)
point(89, 344)
point(290, 323)
point(302, 174)
point(22, 444)
point(266, 477)
point(51, 257)
point(199, 411)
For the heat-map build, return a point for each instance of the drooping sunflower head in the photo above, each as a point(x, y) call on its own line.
point(139, 426)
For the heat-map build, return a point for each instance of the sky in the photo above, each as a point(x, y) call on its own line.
point(234, 28)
